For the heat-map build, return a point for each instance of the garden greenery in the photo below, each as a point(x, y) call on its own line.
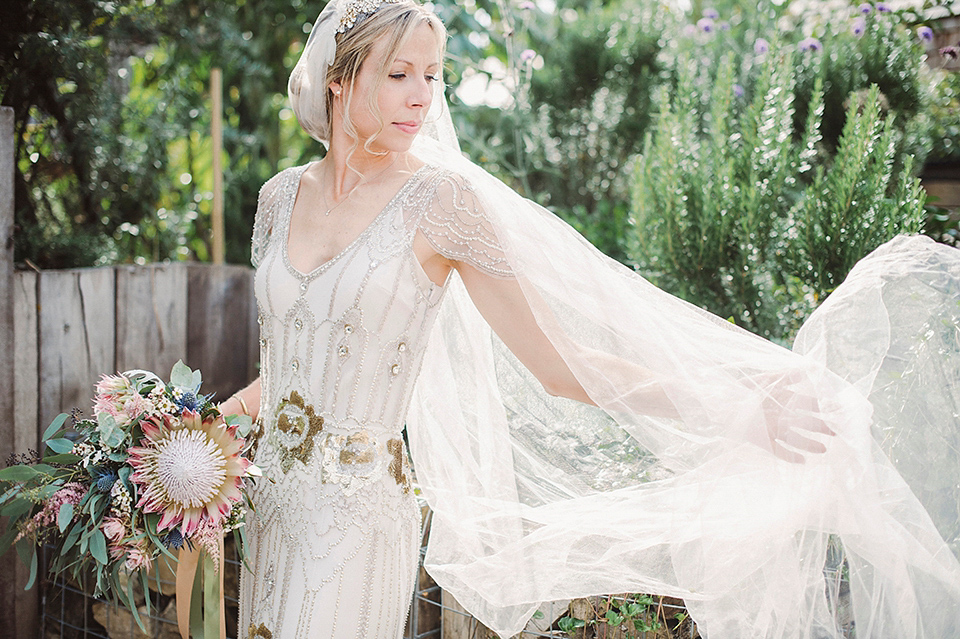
point(749, 200)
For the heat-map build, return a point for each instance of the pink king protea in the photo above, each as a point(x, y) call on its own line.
point(186, 467)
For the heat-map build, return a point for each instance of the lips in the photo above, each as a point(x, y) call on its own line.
point(410, 127)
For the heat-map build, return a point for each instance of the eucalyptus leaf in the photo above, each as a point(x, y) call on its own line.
point(16, 508)
point(10, 494)
point(61, 445)
point(7, 539)
point(124, 473)
point(244, 423)
point(111, 434)
point(71, 538)
point(64, 516)
point(98, 546)
point(181, 376)
point(18, 473)
point(54, 426)
point(25, 548)
point(33, 571)
point(66, 459)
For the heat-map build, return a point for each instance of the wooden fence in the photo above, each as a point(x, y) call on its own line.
point(71, 326)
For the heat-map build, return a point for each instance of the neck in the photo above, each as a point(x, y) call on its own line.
point(350, 167)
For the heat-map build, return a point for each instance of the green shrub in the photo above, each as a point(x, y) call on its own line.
point(736, 212)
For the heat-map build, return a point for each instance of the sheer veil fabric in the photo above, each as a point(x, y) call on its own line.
point(538, 498)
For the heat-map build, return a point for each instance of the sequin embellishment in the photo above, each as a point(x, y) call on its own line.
point(298, 424)
point(398, 464)
point(259, 631)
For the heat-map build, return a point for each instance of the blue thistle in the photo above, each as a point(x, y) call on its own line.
point(103, 478)
point(187, 399)
point(174, 539)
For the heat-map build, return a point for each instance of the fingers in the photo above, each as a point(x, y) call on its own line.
point(796, 440)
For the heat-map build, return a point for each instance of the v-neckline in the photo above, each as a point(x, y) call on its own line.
point(366, 230)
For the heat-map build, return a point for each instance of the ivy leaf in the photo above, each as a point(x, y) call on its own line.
point(64, 516)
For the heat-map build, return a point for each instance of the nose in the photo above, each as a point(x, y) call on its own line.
point(422, 94)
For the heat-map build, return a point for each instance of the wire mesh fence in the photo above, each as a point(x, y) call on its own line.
point(70, 611)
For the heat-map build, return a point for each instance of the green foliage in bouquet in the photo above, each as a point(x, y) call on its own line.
point(736, 212)
point(158, 468)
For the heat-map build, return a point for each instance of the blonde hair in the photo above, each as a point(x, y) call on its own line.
point(396, 22)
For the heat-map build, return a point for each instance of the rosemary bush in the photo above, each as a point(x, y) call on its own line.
point(737, 212)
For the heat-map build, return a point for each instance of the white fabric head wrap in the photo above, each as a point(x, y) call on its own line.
point(307, 86)
point(537, 498)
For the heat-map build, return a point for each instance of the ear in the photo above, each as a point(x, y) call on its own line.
point(335, 88)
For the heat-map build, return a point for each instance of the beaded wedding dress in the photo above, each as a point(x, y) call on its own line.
point(334, 545)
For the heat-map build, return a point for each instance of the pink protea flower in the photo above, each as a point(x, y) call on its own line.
point(137, 557)
point(135, 553)
point(137, 405)
point(188, 469)
point(113, 528)
point(113, 391)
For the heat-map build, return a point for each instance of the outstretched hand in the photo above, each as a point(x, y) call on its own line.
point(792, 416)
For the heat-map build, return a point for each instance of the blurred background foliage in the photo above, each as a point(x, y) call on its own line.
point(705, 144)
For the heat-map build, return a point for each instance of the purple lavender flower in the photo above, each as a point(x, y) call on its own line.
point(706, 25)
point(711, 13)
point(883, 7)
point(811, 44)
point(527, 6)
point(761, 46)
point(724, 26)
point(858, 27)
point(925, 34)
point(527, 55)
point(738, 91)
point(865, 8)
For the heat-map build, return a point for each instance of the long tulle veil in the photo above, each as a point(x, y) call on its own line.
point(538, 498)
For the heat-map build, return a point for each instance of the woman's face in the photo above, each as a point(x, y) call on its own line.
point(404, 96)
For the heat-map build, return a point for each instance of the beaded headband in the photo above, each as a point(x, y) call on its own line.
point(356, 8)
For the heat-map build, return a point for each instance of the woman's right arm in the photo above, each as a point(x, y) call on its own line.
point(251, 398)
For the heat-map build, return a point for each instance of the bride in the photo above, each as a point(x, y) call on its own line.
point(575, 430)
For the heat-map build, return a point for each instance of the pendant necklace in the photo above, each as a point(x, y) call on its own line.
point(354, 189)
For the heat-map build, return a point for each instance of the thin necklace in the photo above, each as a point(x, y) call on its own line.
point(363, 181)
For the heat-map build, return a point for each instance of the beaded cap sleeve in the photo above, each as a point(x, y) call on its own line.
point(455, 224)
point(272, 194)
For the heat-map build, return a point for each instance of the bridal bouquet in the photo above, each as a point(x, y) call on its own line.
point(158, 470)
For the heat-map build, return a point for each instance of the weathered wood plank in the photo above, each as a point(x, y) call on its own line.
point(221, 327)
point(26, 390)
point(151, 317)
point(76, 342)
point(19, 610)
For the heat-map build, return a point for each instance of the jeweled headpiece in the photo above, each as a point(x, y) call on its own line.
point(353, 9)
